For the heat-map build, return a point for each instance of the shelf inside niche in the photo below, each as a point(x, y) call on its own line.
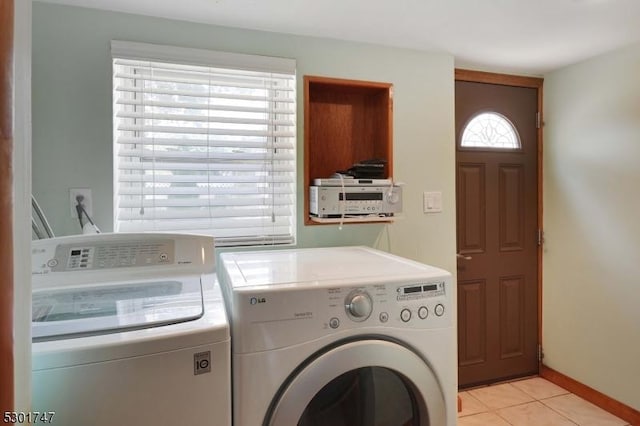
point(345, 122)
point(336, 221)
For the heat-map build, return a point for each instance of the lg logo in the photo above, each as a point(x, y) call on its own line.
point(256, 300)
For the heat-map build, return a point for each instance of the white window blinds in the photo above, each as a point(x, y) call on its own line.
point(205, 143)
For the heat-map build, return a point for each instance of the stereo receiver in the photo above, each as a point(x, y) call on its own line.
point(336, 201)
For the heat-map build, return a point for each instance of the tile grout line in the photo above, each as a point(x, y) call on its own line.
point(499, 416)
point(575, 421)
point(556, 411)
point(541, 401)
point(495, 411)
point(531, 402)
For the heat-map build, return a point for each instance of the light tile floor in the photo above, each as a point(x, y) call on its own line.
point(530, 402)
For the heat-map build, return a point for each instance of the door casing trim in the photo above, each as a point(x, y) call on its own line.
point(7, 360)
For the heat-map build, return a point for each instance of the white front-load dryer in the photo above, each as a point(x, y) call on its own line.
point(346, 336)
point(129, 329)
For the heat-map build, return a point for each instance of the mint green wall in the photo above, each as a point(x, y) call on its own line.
point(591, 318)
point(72, 127)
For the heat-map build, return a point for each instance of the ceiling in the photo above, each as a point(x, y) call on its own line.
point(529, 37)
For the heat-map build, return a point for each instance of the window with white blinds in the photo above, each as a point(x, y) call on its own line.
point(204, 142)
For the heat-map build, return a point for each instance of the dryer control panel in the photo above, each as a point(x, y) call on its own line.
point(266, 319)
point(399, 305)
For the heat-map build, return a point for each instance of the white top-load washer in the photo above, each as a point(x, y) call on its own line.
point(343, 336)
point(129, 329)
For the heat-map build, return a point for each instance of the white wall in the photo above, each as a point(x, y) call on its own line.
point(72, 140)
point(22, 205)
point(591, 307)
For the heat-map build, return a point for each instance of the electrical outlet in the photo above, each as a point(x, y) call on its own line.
point(87, 201)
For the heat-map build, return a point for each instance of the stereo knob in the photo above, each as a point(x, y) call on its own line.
point(359, 306)
point(393, 196)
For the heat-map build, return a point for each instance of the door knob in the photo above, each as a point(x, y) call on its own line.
point(462, 256)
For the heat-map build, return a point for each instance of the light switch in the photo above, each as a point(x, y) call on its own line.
point(432, 202)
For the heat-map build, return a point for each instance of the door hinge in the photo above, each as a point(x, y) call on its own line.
point(540, 237)
point(538, 120)
point(540, 353)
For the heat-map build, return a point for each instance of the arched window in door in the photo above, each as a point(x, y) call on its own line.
point(490, 130)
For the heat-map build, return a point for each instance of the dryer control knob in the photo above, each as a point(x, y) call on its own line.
point(359, 306)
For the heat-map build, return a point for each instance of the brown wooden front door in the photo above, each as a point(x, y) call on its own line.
point(497, 231)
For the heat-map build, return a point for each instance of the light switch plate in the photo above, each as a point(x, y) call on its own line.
point(432, 202)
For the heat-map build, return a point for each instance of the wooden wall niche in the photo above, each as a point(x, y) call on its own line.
point(345, 121)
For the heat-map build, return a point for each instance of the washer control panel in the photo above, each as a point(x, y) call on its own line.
point(70, 257)
point(67, 260)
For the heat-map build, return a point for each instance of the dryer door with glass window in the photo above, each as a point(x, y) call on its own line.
point(360, 383)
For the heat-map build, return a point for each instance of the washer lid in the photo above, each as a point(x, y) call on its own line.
point(110, 308)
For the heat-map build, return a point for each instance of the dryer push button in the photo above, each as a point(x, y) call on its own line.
point(405, 315)
point(334, 322)
point(423, 312)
